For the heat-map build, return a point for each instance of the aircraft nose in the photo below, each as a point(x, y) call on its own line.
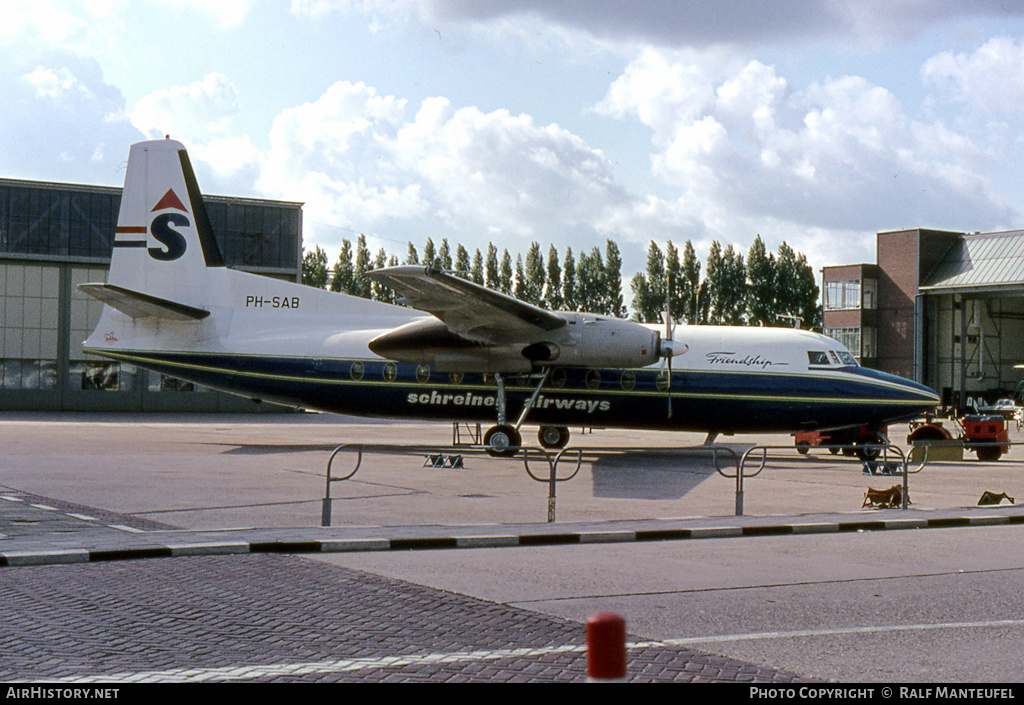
point(906, 397)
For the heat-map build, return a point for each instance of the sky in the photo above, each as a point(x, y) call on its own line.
point(567, 122)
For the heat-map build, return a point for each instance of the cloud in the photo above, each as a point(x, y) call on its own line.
point(61, 121)
point(194, 112)
point(365, 162)
point(703, 23)
point(842, 154)
point(990, 79)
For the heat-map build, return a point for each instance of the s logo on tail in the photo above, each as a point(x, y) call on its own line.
point(172, 240)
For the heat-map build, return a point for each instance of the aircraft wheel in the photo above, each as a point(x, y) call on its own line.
point(553, 436)
point(502, 441)
point(802, 447)
point(867, 453)
point(989, 454)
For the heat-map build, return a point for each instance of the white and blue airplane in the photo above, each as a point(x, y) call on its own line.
point(459, 352)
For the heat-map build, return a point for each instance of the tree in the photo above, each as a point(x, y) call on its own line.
point(462, 266)
point(519, 288)
point(613, 303)
point(361, 285)
point(378, 291)
point(649, 287)
point(732, 296)
point(505, 273)
point(569, 300)
point(491, 268)
point(590, 282)
point(715, 275)
point(691, 279)
point(553, 292)
point(675, 288)
point(763, 287)
point(798, 290)
point(478, 268)
point(412, 257)
point(534, 272)
point(314, 268)
point(344, 275)
point(429, 255)
point(641, 298)
point(444, 256)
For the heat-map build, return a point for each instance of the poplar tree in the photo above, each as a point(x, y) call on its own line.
point(553, 291)
point(429, 255)
point(314, 268)
point(343, 279)
point(534, 272)
point(491, 268)
point(505, 273)
point(478, 268)
point(462, 266)
point(361, 285)
point(691, 279)
point(444, 256)
point(569, 300)
point(764, 289)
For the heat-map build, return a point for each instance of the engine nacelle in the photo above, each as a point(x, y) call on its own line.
point(585, 341)
point(596, 341)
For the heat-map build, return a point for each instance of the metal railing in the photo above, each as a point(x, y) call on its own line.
point(325, 509)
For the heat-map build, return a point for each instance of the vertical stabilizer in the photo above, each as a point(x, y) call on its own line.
point(164, 244)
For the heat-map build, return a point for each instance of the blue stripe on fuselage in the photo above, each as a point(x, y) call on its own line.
point(730, 401)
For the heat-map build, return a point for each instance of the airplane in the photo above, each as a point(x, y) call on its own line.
point(458, 351)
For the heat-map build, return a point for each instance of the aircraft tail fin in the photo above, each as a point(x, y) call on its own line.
point(164, 244)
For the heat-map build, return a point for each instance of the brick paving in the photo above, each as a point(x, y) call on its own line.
point(274, 617)
point(286, 618)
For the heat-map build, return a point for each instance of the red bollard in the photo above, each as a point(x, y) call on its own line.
point(606, 647)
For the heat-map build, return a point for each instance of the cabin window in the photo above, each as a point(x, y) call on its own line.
point(628, 380)
point(423, 374)
point(593, 379)
point(356, 371)
point(455, 377)
point(557, 379)
point(816, 357)
point(390, 372)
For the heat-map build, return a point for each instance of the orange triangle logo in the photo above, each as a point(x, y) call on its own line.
point(170, 200)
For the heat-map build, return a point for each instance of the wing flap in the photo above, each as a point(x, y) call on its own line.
point(139, 305)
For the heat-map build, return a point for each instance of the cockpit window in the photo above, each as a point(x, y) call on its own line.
point(847, 358)
point(816, 357)
point(835, 358)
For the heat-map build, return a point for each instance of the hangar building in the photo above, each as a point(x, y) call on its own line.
point(54, 237)
point(943, 308)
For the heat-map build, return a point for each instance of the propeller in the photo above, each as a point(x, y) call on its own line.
point(667, 348)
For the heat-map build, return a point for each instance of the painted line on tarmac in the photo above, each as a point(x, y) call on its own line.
point(242, 672)
point(839, 632)
point(270, 670)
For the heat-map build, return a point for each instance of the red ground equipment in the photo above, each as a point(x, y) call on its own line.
point(862, 436)
point(979, 434)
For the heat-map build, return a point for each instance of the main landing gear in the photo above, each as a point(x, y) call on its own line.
point(504, 440)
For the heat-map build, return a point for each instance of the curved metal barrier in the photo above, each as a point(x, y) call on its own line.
point(883, 450)
point(325, 511)
point(552, 477)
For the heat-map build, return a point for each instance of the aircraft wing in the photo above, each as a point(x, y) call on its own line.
point(467, 309)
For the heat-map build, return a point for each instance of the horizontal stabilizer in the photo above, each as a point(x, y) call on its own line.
point(138, 305)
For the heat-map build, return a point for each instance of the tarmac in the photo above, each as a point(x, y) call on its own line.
point(101, 587)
